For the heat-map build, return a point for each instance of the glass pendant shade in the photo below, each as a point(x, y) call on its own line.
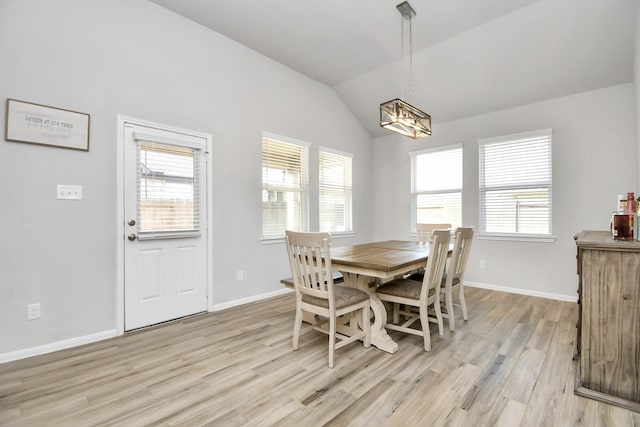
point(398, 116)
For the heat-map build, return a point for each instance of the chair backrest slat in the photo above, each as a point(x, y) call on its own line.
point(438, 252)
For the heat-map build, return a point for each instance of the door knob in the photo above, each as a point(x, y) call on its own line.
point(132, 222)
point(131, 237)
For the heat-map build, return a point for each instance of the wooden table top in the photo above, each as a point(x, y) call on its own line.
point(383, 256)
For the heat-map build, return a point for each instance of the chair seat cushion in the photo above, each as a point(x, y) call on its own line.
point(344, 296)
point(404, 288)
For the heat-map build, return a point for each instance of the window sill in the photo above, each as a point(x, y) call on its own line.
point(271, 240)
point(343, 235)
point(414, 236)
point(517, 238)
point(276, 240)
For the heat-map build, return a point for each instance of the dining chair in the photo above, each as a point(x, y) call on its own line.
point(452, 279)
point(424, 232)
point(422, 295)
point(316, 293)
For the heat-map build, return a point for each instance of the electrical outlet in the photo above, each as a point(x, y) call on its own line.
point(33, 311)
point(483, 263)
point(69, 192)
point(240, 275)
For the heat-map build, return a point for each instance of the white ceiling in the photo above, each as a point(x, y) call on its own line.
point(470, 56)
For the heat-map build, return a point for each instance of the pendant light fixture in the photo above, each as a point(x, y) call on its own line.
point(397, 115)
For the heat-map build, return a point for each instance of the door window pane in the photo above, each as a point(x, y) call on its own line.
point(167, 188)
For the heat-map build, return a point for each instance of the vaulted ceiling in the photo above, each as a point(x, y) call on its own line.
point(470, 57)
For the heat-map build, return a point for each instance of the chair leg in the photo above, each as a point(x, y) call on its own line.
point(396, 313)
point(463, 303)
point(448, 297)
point(297, 326)
point(332, 339)
point(424, 321)
point(438, 310)
point(366, 324)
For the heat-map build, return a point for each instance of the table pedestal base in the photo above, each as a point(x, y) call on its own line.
point(379, 336)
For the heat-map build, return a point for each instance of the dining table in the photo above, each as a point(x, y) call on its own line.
point(367, 266)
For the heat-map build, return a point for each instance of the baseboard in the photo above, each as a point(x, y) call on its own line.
point(247, 300)
point(55, 346)
point(547, 295)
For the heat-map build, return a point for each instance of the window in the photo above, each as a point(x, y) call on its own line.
point(515, 184)
point(437, 186)
point(168, 189)
point(334, 191)
point(284, 186)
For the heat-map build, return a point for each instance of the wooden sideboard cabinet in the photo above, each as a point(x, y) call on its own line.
point(608, 340)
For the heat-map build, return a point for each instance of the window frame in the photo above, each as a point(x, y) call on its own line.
point(482, 189)
point(415, 193)
point(347, 191)
point(303, 189)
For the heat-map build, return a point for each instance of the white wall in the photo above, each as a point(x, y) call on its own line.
point(594, 159)
point(131, 57)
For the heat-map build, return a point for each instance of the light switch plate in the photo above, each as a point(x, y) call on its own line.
point(33, 311)
point(69, 192)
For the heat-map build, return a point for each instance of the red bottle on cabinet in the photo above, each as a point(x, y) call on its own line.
point(624, 222)
point(632, 205)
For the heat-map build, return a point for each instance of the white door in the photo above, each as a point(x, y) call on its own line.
point(165, 237)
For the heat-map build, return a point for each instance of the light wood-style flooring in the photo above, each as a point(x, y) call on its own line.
point(509, 365)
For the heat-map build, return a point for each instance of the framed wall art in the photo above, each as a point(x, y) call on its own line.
point(40, 124)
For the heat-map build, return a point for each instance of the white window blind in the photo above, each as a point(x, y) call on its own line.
point(437, 186)
point(284, 187)
point(515, 184)
point(335, 191)
point(168, 189)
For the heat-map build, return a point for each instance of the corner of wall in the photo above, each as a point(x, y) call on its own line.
point(636, 80)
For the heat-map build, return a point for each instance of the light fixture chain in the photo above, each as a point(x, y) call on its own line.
point(410, 58)
point(401, 58)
